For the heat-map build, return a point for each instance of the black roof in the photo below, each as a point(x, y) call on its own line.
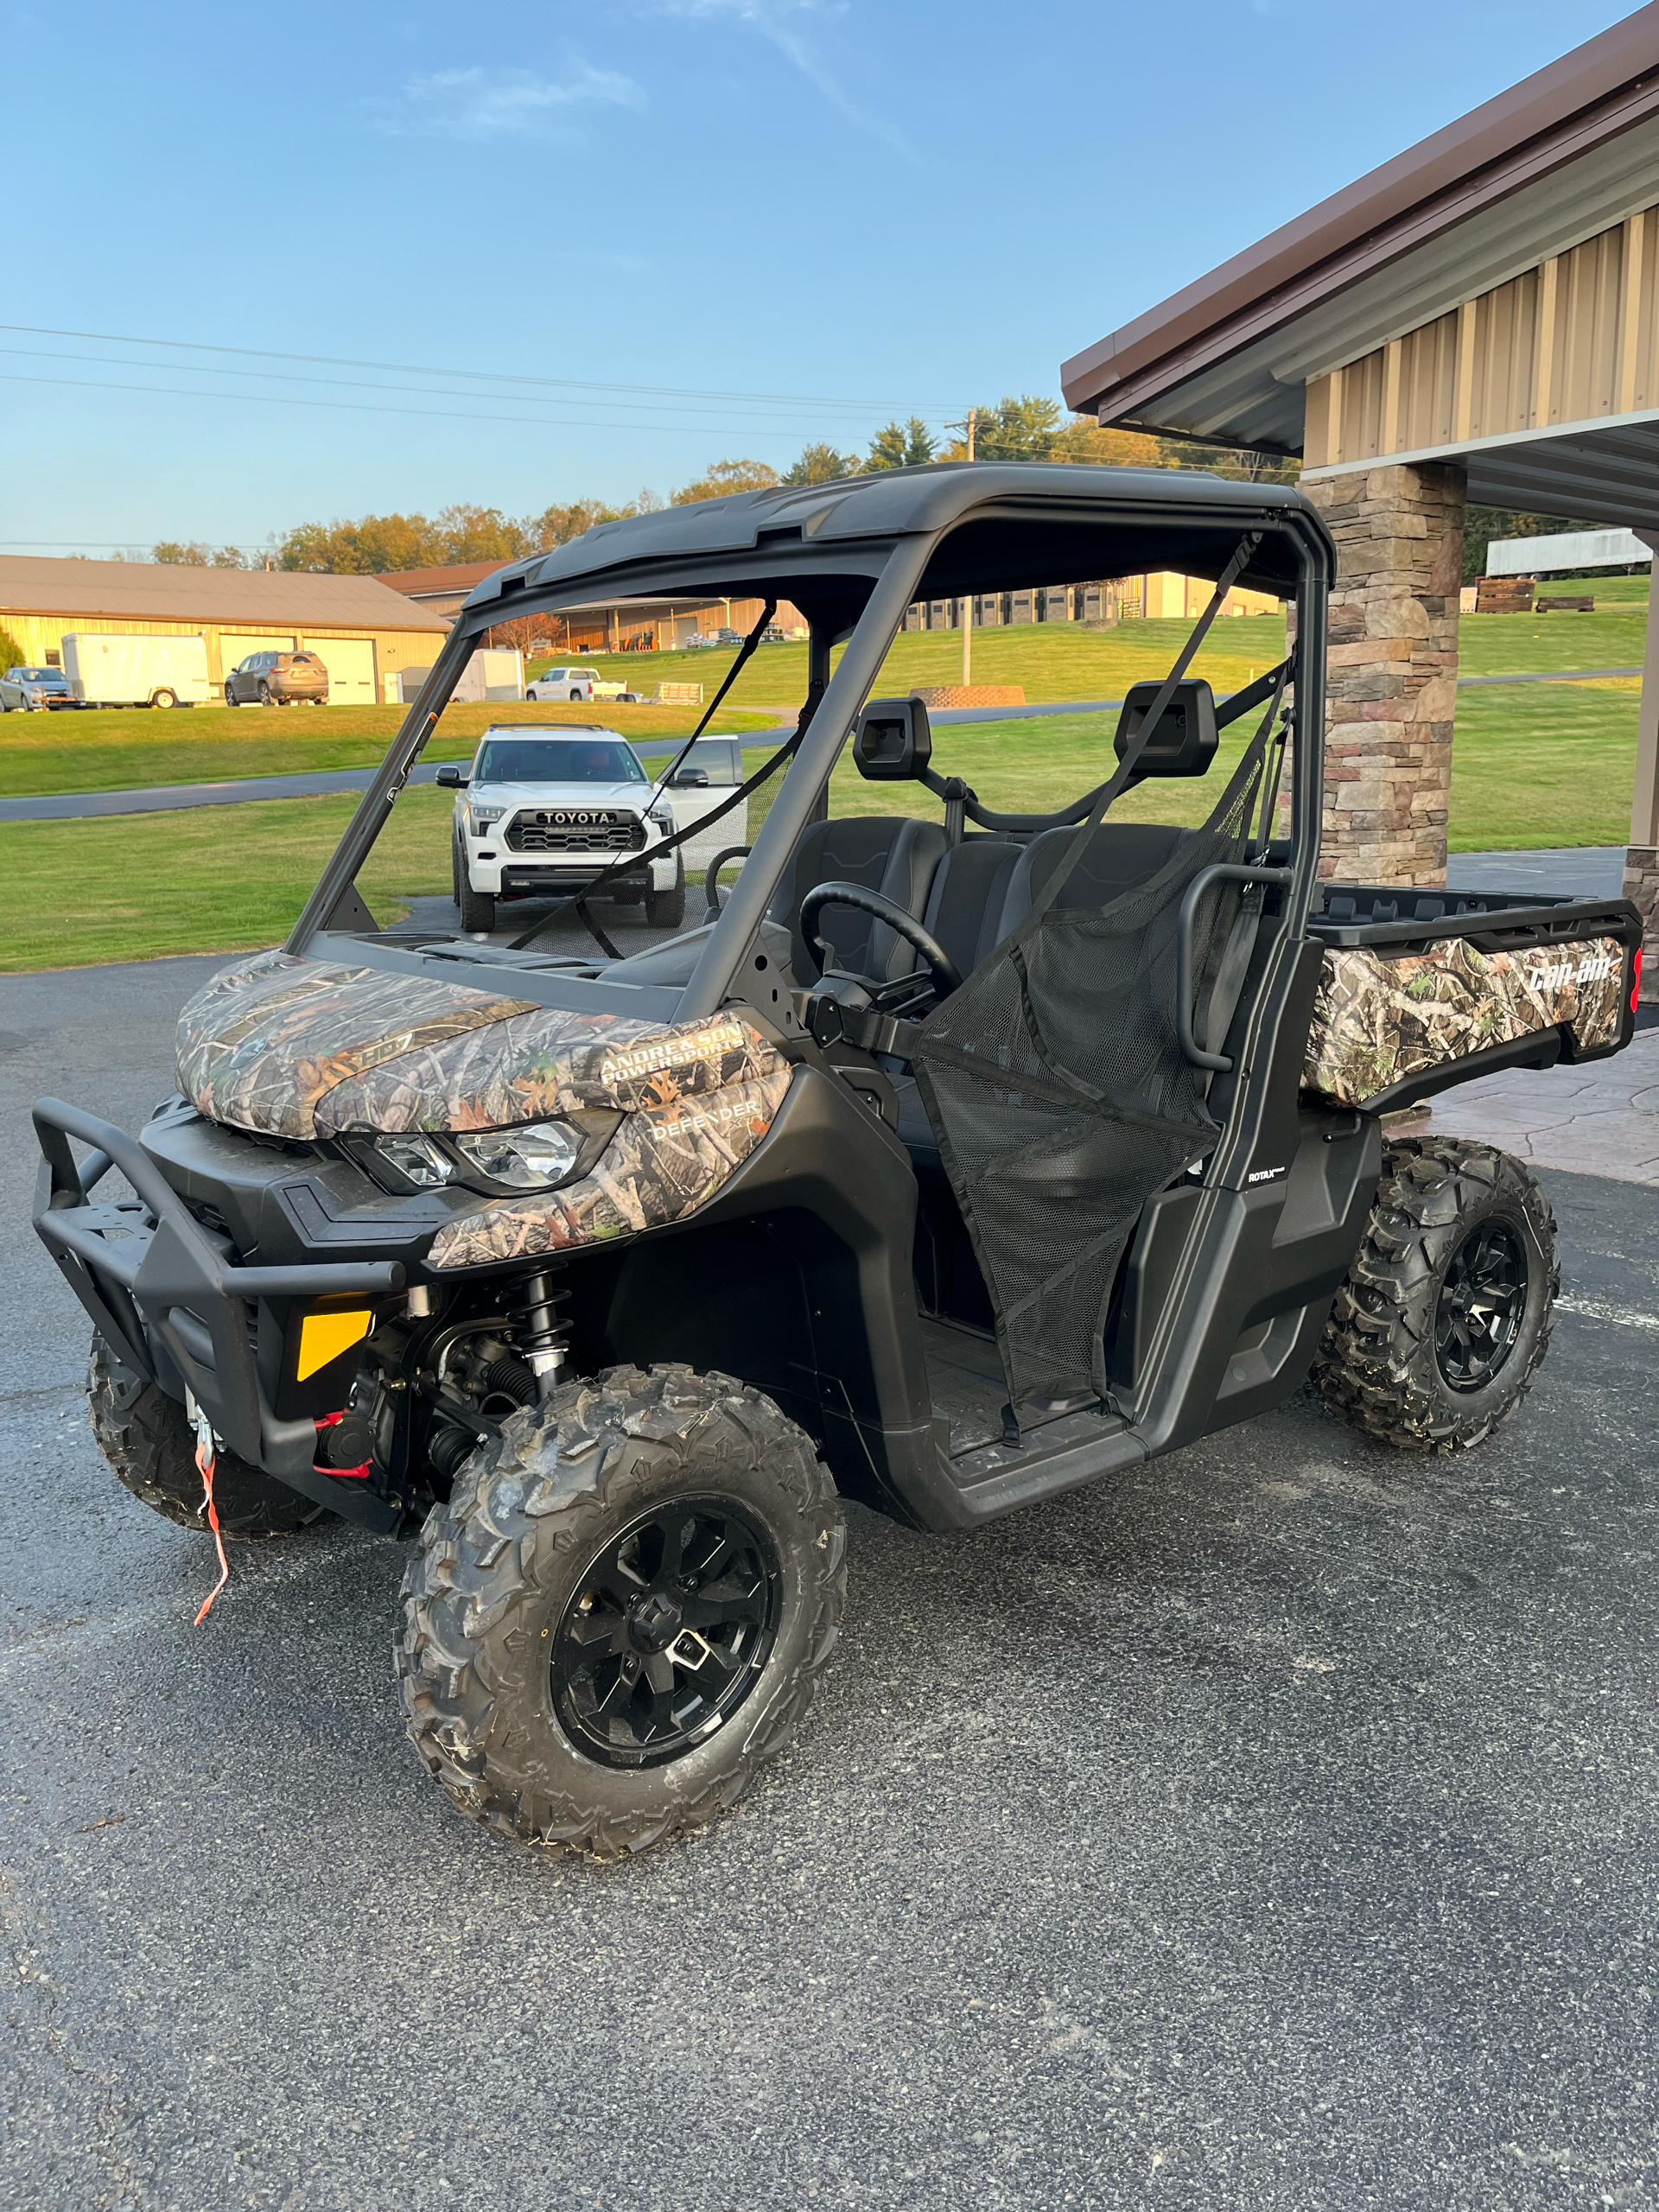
point(1041, 517)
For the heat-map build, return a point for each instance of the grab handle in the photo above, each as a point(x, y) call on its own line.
point(1219, 871)
point(711, 880)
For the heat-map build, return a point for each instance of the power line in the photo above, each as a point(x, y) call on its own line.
point(111, 537)
point(420, 413)
point(485, 376)
point(344, 384)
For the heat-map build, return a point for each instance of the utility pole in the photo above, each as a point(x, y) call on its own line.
point(966, 428)
point(968, 603)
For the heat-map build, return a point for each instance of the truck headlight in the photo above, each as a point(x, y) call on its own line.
point(483, 817)
point(532, 1157)
point(664, 817)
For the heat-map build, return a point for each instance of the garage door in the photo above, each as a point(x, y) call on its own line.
point(350, 664)
point(234, 647)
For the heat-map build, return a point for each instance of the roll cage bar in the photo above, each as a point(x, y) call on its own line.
point(858, 589)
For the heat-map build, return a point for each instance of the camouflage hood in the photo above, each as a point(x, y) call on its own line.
point(306, 1048)
point(290, 1047)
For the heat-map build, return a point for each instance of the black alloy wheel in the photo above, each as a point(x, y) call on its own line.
point(1482, 1301)
point(616, 1618)
point(669, 1632)
point(1439, 1329)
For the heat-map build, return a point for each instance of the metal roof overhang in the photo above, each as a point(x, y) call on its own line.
point(1607, 472)
point(1247, 384)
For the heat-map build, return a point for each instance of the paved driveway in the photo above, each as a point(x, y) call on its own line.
point(1271, 1829)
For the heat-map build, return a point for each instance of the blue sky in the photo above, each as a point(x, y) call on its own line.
point(827, 211)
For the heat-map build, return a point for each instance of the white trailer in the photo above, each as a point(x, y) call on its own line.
point(121, 670)
point(494, 672)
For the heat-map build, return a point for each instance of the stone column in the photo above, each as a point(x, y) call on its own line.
point(1642, 861)
point(1393, 670)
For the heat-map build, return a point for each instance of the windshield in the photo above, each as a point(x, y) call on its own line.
point(40, 675)
point(557, 761)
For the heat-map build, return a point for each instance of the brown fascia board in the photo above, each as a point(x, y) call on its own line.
point(35, 613)
point(1590, 95)
point(457, 577)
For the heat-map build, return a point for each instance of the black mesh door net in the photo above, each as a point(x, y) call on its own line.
point(1060, 1097)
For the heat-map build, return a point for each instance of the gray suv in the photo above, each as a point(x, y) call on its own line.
point(277, 680)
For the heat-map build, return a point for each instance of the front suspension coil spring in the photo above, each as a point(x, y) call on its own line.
point(541, 1333)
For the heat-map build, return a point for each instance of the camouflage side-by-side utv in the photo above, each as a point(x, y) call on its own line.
point(961, 1158)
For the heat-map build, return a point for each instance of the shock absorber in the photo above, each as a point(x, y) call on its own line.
point(540, 1330)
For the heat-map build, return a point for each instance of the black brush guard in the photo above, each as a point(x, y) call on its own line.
point(165, 1293)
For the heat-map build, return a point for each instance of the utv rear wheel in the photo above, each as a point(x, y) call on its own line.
point(147, 1438)
point(1447, 1310)
point(617, 1619)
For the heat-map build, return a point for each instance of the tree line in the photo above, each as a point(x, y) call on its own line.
point(1019, 428)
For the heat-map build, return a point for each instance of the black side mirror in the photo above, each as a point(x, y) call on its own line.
point(451, 778)
point(1184, 742)
point(893, 743)
point(690, 779)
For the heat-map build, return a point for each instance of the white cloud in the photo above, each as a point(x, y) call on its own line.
point(782, 23)
point(504, 103)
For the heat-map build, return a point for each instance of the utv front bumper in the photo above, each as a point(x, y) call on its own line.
point(173, 1306)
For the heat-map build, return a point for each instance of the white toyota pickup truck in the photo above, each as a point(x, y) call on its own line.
point(543, 811)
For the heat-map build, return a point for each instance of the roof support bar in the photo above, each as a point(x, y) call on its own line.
point(796, 804)
point(366, 823)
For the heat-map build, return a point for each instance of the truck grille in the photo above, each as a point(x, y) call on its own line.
point(576, 829)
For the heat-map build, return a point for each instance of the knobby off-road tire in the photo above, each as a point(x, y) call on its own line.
point(525, 1547)
point(665, 910)
point(147, 1438)
point(1400, 1358)
point(477, 908)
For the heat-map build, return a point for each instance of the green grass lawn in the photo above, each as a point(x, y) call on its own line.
point(1543, 765)
point(1507, 644)
point(211, 878)
point(1538, 764)
point(1052, 661)
point(109, 750)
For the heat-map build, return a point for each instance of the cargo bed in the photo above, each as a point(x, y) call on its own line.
point(1423, 988)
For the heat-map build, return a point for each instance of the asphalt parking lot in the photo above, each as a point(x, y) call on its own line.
point(1274, 1829)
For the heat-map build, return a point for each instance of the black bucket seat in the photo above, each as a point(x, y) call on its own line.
point(889, 853)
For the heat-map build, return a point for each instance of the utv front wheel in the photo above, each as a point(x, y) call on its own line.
point(147, 1438)
point(617, 1619)
point(1446, 1313)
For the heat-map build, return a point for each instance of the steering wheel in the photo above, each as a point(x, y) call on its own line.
point(947, 977)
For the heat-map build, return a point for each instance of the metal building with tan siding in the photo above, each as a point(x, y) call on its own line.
point(363, 633)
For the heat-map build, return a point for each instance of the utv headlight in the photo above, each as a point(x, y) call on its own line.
point(417, 1160)
point(532, 1157)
